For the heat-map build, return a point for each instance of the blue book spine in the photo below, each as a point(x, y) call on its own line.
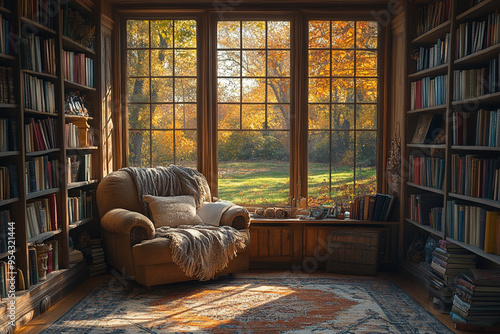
point(461, 224)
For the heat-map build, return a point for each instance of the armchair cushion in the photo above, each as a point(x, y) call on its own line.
point(172, 211)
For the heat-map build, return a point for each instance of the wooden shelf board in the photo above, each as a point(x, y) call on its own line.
point(38, 153)
point(488, 98)
point(432, 35)
point(88, 148)
point(479, 56)
point(8, 106)
point(39, 26)
point(321, 221)
point(42, 237)
point(9, 201)
point(478, 251)
point(434, 190)
point(427, 146)
point(77, 117)
point(9, 153)
point(41, 113)
point(478, 10)
point(74, 85)
point(3, 56)
point(83, 5)
point(79, 184)
point(5, 10)
point(425, 228)
point(475, 148)
point(41, 193)
point(436, 70)
point(75, 46)
point(39, 74)
point(81, 222)
point(477, 200)
point(429, 109)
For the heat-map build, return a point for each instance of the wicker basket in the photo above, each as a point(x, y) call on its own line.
point(356, 252)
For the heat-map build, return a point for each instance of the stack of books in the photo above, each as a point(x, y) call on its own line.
point(448, 263)
point(477, 298)
point(94, 253)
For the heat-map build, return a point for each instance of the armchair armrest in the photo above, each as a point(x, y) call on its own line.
point(237, 217)
point(122, 221)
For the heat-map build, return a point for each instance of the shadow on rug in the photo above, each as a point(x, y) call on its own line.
point(249, 305)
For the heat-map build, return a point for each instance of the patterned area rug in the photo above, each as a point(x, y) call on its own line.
point(259, 304)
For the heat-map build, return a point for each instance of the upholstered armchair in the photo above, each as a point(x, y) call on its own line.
point(129, 235)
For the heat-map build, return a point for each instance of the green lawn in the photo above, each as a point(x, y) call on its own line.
point(260, 183)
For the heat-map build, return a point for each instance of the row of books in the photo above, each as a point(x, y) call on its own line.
point(473, 225)
point(6, 226)
point(475, 36)
point(6, 27)
point(39, 94)
point(42, 174)
point(38, 54)
point(94, 254)
point(9, 187)
point(432, 15)
point(426, 171)
point(450, 260)
point(40, 135)
point(476, 128)
point(79, 167)
point(426, 209)
point(78, 68)
point(52, 260)
point(41, 216)
point(477, 298)
point(438, 54)
point(81, 206)
point(376, 207)
point(7, 89)
point(73, 134)
point(6, 275)
point(8, 135)
point(468, 84)
point(41, 11)
point(428, 92)
point(475, 176)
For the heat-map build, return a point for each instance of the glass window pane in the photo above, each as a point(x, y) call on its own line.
point(253, 116)
point(319, 34)
point(343, 116)
point(138, 90)
point(228, 63)
point(319, 90)
point(161, 90)
point(366, 116)
point(319, 117)
point(278, 117)
point(278, 34)
point(162, 148)
point(162, 62)
point(138, 116)
point(342, 166)
point(163, 116)
point(319, 167)
point(137, 63)
point(278, 90)
point(366, 63)
point(185, 148)
point(342, 63)
point(278, 64)
point(366, 162)
point(228, 34)
point(367, 34)
point(137, 33)
point(319, 63)
point(342, 90)
point(254, 63)
point(366, 90)
point(254, 34)
point(185, 33)
point(228, 90)
point(229, 116)
point(254, 90)
point(343, 34)
point(185, 116)
point(162, 33)
point(138, 148)
point(185, 62)
point(186, 90)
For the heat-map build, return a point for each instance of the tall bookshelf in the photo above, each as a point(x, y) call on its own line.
point(52, 115)
point(456, 98)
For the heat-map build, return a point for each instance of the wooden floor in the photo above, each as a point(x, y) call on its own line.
point(411, 286)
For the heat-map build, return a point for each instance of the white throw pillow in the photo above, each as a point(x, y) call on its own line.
point(172, 210)
point(211, 212)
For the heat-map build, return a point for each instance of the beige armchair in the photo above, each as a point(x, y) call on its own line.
point(129, 235)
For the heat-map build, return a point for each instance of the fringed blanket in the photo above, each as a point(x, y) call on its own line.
point(202, 251)
point(168, 181)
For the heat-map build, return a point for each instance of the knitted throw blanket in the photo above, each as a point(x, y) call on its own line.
point(202, 250)
point(167, 181)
